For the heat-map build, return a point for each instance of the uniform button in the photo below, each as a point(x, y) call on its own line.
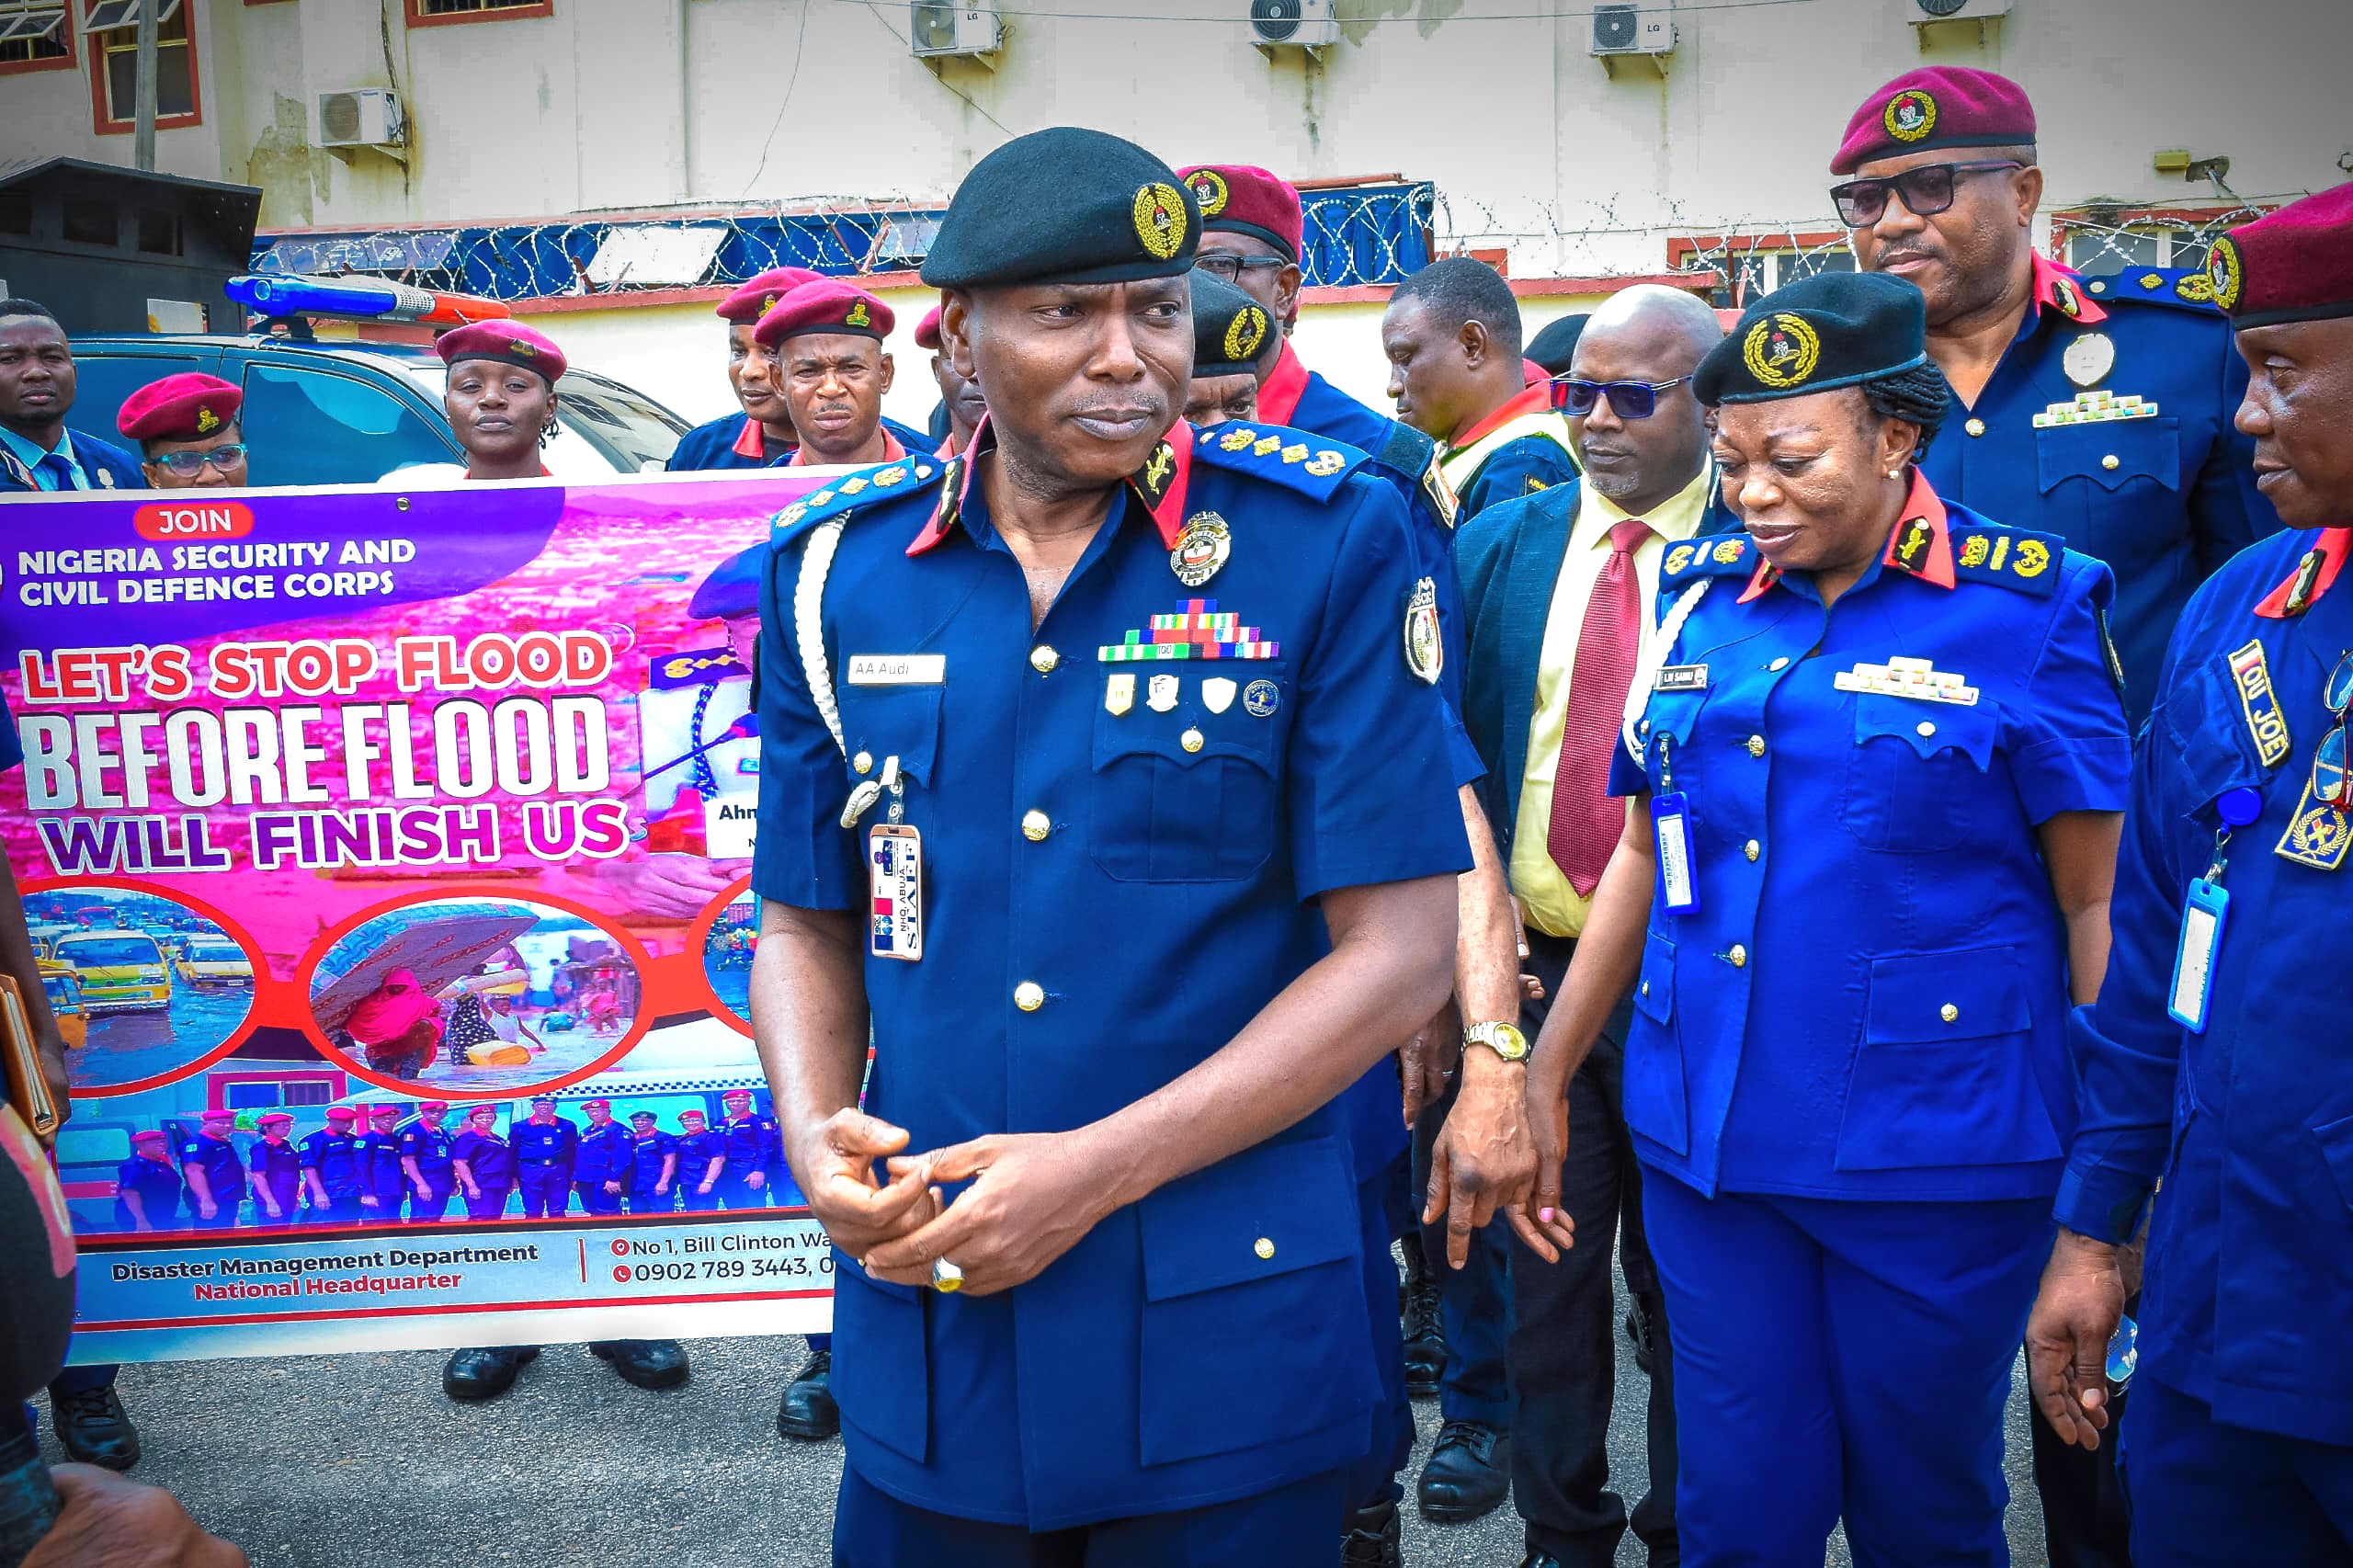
point(1190, 740)
point(2111, 462)
point(1752, 849)
point(863, 762)
point(1975, 427)
point(1029, 996)
point(1646, 987)
point(1925, 729)
point(1739, 956)
point(1264, 1246)
point(1035, 825)
point(1949, 1013)
point(1043, 659)
point(1756, 745)
point(1779, 665)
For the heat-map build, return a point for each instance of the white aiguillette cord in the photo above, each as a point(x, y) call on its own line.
point(1654, 659)
point(808, 622)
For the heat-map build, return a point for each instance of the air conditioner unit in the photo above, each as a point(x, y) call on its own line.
point(364, 117)
point(1632, 30)
point(935, 29)
point(1923, 11)
point(1293, 24)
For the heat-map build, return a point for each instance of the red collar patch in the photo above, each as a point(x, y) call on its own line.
point(1532, 400)
point(1160, 485)
point(1278, 398)
point(2063, 291)
point(1921, 545)
point(751, 442)
point(2313, 575)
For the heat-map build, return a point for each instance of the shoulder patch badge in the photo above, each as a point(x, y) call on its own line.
point(1424, 646)
point(2011, 557)
point(1706, 558)
point(2251, 675)
point(2317, 835)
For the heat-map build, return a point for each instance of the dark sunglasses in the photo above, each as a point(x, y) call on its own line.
point(1628, 399)
point(1230, 266)
point(2332, 780)
point(1925, 192)
point(187, 465)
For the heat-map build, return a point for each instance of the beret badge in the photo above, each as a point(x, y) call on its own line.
point(858, 316)
point(1208, 189)
point(1160, 220)
point(1246, 336)
point(2225, 270)
point(206, 421)
point(1911, 114)
point(1781, 351)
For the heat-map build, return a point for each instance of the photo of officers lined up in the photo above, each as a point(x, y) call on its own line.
point(419, 1163)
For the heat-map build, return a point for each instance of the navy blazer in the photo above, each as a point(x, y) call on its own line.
point(96, 457)
point(1508, 557)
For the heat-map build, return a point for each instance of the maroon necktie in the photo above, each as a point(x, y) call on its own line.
point(1587, 823)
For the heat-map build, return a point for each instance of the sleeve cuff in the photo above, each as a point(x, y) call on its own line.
point(2093, 774)
point(2101, 1203)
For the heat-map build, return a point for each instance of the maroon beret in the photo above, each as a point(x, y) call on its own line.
point(340, 1113)
point(2292, 265)
point(754, 298)
point(927, 330)
point(266, 1118)
point(180, 408)
point(828, 305)
point(509, 342)
point(1937, 105)
point(1236, 199)
point(148, 1135)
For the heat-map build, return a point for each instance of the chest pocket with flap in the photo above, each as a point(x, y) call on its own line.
point(1190, 795)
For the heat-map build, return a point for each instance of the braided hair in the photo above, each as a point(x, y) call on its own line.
point(1918, 396)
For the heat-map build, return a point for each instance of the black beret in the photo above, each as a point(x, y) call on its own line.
point(1229, 328)
point(1834, 329)
point(1064, 206)
point(1555, 346)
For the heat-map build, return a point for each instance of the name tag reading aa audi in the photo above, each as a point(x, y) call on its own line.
point(897, 669)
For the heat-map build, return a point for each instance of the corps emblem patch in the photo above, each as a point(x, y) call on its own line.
point(1424, 648)
point(1325, 464)
point(1678, 558)
point(206, 421)
point(768, 304)
point(2195, 287)
point(1727, 552)
point(2063, 295)
point(1781, 351)
point(858, 316)
point(528, 350)
point(1246, 335)
point(1160, 220)
point(2226, 272)
point(1911, 114)
point(1208, 189)
point(1912, 545)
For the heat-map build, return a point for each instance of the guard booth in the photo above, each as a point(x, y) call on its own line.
point(114, 250)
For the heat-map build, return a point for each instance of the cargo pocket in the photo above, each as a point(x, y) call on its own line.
point(1944, 1074)
point(1190, 795)
point(1259, 1255)
point(1916, 773)
point(1657, 1104)
point(881, 1365)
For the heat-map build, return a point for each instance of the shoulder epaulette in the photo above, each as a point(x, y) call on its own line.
point(2184, 289)
point(1416, 456)
point(2028, 563)
point(888, 480)
point(1720, 555)
point(1313, 465)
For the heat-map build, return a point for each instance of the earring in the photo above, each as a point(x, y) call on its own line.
point(1895, 474)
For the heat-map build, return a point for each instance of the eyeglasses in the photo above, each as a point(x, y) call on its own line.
point(187, 465)
point(2332, 780)
point(1226, 265)
point(1927, 191)
point(1628, 399)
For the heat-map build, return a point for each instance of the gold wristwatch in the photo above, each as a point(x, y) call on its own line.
point(1503, 1040)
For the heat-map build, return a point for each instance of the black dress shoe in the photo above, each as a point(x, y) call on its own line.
point(1425, 1340)
point(1638, 1329)
point(477, 1375)
point(648, 1363)
point(807, 1412)
point(1369, 1540)
point(94, 1428)
point(1468, 1475)
point(1540, 1559)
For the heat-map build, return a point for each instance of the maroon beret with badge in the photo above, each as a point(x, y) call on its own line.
point(1236, 199)
point(340, 1113)
point(829, 305)
point(2292, 265)
point(507, 342)
point(927, 330)
point(185, 407)
point(756, 296)
point(1935, 107)
point(148, 1135)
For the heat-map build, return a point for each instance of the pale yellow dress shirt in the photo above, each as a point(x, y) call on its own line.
point(1553, 906)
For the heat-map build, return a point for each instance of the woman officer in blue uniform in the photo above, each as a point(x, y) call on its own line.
point(1876, 759)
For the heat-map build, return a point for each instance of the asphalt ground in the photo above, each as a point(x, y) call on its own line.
point(358, 1462)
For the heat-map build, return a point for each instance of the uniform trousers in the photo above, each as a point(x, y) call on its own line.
point(2207, 1495)
point(1292, 1527)
point(224, 1218)
point(490, 1205)
point(653, 1203)
point(1381, 1202)
point(1843, 1359)
point(733, 1192)
point(698, 1202)
point(342, 1209)
point(430, 1210)
point(547, 1191)
point(1473, 1302)
point(1563, 1344)
point(594, 1200)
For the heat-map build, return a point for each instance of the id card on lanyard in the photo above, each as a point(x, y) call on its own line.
point(1679, 884)
point(895, 874)
point(2203, 912)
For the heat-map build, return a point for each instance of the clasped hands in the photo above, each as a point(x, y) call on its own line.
point(1031, 1198)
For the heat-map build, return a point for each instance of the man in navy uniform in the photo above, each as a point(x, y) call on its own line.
point(653, 1165)
point(333, 1171)
point(213, 1173)
point(543, 1147)
point(962, 406)
point(2100, 409)
point(833, 370)
point(702, 1160)
point(1247, 878)
point(483, 1164)
point(381, 1185)
point(760, 434)
point(429, 1166)
point(37, 387)
point(146, 1187)
point(1451, 333)
point(277, 1167)
point(751, 1153)
point(600, 1164)
point(2214, 1058)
